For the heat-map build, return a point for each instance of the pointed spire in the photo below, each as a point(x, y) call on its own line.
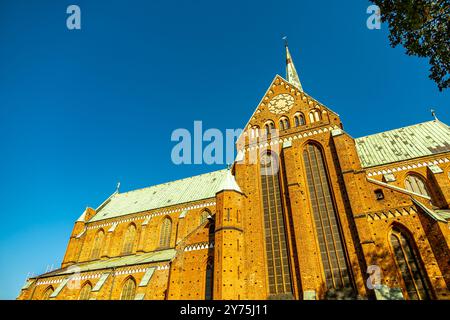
point(291, 72)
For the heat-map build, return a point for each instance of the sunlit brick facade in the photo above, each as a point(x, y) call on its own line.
point(306, 220)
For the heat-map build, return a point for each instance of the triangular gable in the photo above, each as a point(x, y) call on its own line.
point(293, 90)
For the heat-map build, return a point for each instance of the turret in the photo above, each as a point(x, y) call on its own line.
point(228, 239)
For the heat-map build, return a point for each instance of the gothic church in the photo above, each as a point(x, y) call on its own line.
point(318, 215)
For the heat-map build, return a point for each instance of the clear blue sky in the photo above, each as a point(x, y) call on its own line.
point(81, 110)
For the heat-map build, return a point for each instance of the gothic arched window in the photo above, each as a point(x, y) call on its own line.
point(416, 184)
point(287, 125)
point(299, 120)
point(204, 216)
point(274, 226)
point(325, 220)
point(98, 244)
point(128, 241)
point(269, 127)
point(314, 116)
point(128, 290)
point(254, 133)
point(209, 280)
point(85, 292)
point(409, 265)
point(48, 292)
point(166, 230)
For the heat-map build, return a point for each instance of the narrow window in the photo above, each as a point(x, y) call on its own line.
point(85, 292)
point(128, 242)
point(282, 125)
point(317, 115)
point(311, 117)
point(324, 213)
point(286, 124)
point(274, 226)
point(272, 126)
point(98, 245)
point(410, 268)
point(254, 133)
point(166, 230)
point(209, 280)
point(296, 121)
point(128, 290)
point(301, 119)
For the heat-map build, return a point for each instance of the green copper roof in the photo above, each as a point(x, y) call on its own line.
point(163, 195)
point(155, 256)
point(411, 142)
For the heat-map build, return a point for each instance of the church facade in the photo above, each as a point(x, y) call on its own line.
point(305, 212)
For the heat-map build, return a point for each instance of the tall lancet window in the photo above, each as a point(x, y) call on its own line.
point(128, 241)
point(324, 213)
point(166, 230)
point(274, 227)
point(411, 270)
point(85, 292)
point(98, 244)
point(128, 290)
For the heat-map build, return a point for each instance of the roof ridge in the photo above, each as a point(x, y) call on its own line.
point(172, 181)
point(396, 129)
point(443, 124)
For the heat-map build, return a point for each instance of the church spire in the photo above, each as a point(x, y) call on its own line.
point(291, 72)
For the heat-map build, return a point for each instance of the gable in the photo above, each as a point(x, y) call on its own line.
point(283, 99)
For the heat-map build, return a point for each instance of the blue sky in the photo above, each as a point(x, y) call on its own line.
point(81, 110)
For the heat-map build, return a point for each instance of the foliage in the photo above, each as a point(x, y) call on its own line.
point(423, 28)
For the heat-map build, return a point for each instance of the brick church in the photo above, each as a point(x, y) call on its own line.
point(318, 215)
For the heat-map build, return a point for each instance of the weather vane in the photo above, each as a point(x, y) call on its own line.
point(433, 113)
point(285, 38)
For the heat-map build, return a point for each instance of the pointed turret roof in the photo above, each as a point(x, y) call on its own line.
point(229, 183)
point(291, 72)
